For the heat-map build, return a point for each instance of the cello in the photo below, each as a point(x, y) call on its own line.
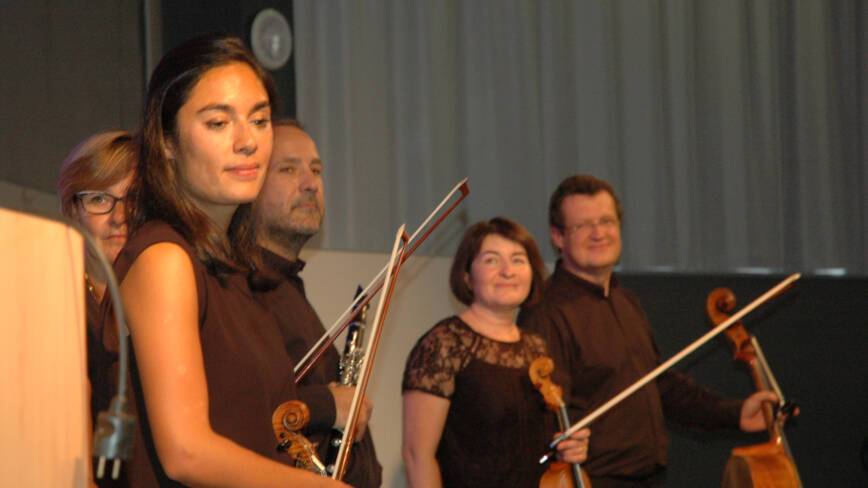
point(602, 409)
point(559, 474)
point(769, 464)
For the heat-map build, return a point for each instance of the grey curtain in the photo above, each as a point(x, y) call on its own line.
point(734, 131)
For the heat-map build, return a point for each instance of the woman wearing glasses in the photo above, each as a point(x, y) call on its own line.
point(93, 183)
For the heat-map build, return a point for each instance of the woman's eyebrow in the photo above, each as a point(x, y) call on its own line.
point(223, 107)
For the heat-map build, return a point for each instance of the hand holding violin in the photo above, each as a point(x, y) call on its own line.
point(575, 448)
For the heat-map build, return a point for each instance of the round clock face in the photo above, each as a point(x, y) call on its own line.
point(271, 39)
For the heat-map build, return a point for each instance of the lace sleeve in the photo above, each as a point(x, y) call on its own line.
point(436, 359)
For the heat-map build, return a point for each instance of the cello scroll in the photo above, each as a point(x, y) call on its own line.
point(768, 464)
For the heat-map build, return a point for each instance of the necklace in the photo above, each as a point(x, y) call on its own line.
point(90, 287)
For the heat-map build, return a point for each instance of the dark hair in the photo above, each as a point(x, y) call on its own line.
point(578, 185)
point(469, 249)
point(98, 162)
point(158, 193)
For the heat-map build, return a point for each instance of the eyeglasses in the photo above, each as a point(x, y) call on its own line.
point(97, 202)
point(586, 226)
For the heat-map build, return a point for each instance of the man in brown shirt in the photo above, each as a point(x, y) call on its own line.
point(602, 343)
point(290, 210)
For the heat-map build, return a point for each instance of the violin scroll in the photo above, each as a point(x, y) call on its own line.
point(559, 475)
point(540, 371)
point(288, 419)
point(290, 416)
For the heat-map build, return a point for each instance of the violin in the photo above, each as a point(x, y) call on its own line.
point(288, 419)
point(292, 416)
point(769, 464)
point(559, 474)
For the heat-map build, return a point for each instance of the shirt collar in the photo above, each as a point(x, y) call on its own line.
point(287, 268)
point(562, 274)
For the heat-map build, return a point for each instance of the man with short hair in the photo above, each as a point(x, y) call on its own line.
point(289, 211)
point(602, 343)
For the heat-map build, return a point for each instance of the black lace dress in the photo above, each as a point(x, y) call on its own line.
point(497, 426)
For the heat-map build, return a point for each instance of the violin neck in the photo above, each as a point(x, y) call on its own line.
point(563, 417)
point(564, 423)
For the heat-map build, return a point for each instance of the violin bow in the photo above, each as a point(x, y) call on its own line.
point(391, 278)
point(771, 293)
point(446, 206)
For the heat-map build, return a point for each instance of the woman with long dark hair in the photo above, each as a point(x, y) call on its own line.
point(209, 363)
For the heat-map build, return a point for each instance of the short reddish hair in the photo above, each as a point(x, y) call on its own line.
point(97, 163)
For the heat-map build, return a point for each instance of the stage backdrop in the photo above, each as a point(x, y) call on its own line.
point(734, 131)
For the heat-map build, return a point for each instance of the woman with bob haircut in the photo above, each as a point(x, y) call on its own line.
point(209, 366)
point(471, 415)
point(92, 188)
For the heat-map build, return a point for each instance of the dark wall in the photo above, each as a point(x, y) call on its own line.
point(182, 20)
point(76, 67)
point(70, 69)
point(815, 338)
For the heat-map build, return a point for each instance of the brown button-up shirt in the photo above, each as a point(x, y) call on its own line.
point(602, 345)
point(302, 328)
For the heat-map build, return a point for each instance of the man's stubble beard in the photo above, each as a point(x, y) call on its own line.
point(292, 237)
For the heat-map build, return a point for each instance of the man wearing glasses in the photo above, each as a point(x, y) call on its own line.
point(602, 343)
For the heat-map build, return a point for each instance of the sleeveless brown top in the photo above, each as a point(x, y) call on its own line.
point(248, 371)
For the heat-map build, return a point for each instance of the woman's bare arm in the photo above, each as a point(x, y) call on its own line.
point(161, 301)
